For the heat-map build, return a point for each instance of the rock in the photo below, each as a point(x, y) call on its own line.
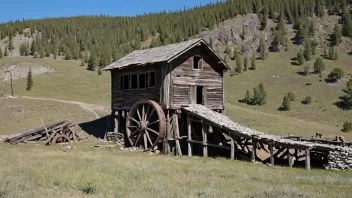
point(157, 152)
point(21, 70)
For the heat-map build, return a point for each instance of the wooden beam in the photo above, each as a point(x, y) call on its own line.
point(205, 140)
point(232, 149)
point(271, 149)
point(307, 158)
point(189, 132)
point(209, 144)
point(253, 150)
point(119, 124)
point(176, 134)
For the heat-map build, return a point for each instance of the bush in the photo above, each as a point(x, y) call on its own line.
point(308, 100)
point(306, 71)
point(286, 104)
point(291, 96)
point(319, 66)
point(336, 74)
point(88, 189)
point(300, 58)
point(99, 71)
point(347, 126)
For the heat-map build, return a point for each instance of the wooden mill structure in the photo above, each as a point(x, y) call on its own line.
point(171, 98)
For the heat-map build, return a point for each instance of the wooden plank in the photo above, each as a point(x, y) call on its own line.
point(307, 161)
point(271, 149)
point(232, 149)
point(205, 140)
point(189, 132)
point(254, 150)
point(176, 134)
point(209, 144)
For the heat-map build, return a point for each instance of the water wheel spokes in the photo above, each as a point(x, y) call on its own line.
point(145, 125)
point(60, 138)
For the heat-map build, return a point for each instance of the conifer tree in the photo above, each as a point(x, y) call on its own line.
point(319, 66)
point(311, 29)
point(93, 62)
point(245, 64)
point(6, 53)
point(238, 63)
point(337, 35)
point(247, 98)
point(1, 53)
point(253, 64)
point(262, 49)
point(300, 58)
point(11, 46)
point(99, 71)
point(286, 104)
point(308, 50)
point(29, 80)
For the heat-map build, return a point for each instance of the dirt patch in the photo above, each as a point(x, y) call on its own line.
point(21, 70)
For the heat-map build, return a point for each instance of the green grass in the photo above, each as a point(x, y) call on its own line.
point(37, 171)
point(279, 77)
point(69, 82)
point(18, 115)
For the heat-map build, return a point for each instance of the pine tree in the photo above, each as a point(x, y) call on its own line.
point(311, 29)
point(319, 66)
point(262, 49)
point(247, 98)
point(238, 63)
point(306, 71)
point(93, 62)
point(253, 64)
point(1, 53)
point(286, 104)
point(6, 53)
point(308, 50)
point(245, 64)
point(99, 71)
point(300, 58)
point(11, 46)
point(337, 36)
point(29, 80)
point(314, 45)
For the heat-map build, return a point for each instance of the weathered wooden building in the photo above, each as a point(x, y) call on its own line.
point(165, 79)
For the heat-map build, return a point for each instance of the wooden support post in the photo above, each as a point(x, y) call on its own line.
point(176, 134)
point(205, 140)
point(119, 124)
point(253, 150)
point(189, 136)
point(232, 149)
point(307, 158)
point(168, 131)
point(271, 148)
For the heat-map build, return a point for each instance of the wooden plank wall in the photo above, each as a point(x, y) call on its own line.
point(183, 75)
point(124, 99)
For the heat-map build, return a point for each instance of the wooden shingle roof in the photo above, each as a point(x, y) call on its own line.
point(159, 54)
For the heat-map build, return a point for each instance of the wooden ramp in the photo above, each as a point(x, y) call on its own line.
point(249, 140)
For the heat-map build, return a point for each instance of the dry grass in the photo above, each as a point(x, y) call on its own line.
point(38, 171)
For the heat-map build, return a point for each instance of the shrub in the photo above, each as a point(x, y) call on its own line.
point(291, 96)
point(300, 58)
point(347, 126)
point(247, 98)
point(88, 189)
point(29, 80)
point(286, 104)
point(306, 71)
point(319, 65)
point(336, 74)
point(99, 71)
point(253, 64)
point(308, 100)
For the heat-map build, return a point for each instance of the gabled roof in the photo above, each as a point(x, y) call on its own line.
point(160, 54)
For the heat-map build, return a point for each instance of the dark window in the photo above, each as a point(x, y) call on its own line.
point(134, 81)
point(126, 82)
point(197, 62)
point(142, 83)
point(121, 82)
point(151, 79)
point(199, 94)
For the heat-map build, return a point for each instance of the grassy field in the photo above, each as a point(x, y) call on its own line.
point(279, 77)
point(22, 114)
point(69, 82)
point(37, 171)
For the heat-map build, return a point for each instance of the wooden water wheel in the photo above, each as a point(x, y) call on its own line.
point(146, 125)
point(60, 138)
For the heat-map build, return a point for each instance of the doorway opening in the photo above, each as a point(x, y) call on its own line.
point(200, 95)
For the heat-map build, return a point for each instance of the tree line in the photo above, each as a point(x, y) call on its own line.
point(109, 38)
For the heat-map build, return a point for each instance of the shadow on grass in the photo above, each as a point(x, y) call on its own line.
point(344, 104)
point(295, 63)
point(97, 127)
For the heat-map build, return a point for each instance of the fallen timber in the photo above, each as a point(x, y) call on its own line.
point(51, 134)
point(245, 140)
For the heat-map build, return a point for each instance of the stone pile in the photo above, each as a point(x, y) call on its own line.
point(116, 137)
point(340, 160)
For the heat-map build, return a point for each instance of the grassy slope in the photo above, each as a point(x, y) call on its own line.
point(69, 82)
point(23, 114)
point(279, 76)
point(31, 171)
